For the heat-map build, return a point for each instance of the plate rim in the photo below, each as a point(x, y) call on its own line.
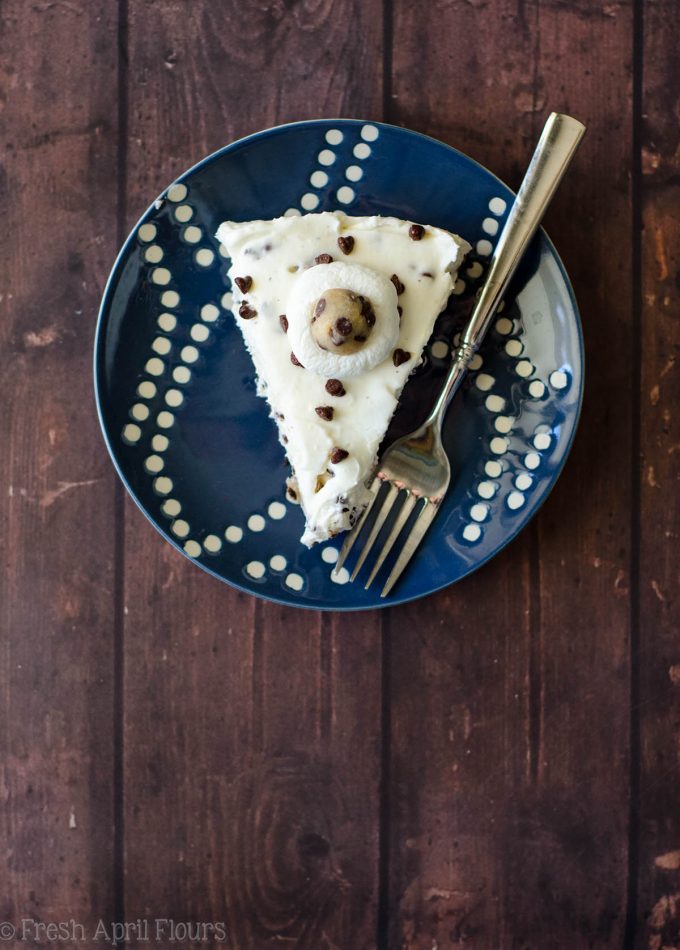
point(103, 321)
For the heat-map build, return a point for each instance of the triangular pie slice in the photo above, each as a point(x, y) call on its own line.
point(335, 312)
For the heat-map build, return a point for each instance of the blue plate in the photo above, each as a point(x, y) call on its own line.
point(175, 386)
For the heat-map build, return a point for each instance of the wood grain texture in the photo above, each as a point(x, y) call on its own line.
point(518, 834)
point(252, 732)
point(58, 207)
point(659, 645)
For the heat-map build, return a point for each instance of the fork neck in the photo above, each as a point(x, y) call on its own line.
point(457, 372)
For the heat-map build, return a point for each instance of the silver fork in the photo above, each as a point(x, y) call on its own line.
point(413, 475)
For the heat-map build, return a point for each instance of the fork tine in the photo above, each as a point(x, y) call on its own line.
point(423, 522)
point(352, 535)
point(385, 508)
point(403, 516)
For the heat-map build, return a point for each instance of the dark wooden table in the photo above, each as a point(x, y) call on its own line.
point(497, 766)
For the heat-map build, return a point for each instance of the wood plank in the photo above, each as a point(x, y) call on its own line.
point(58, 206)
point(659, 652)
point(252, 762)
point(510, 805)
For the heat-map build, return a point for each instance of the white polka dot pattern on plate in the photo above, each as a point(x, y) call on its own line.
point(504, 424)
point(205, 257)
point(177, 192)
point(542, 441)
point(524, 481)
point(330, 555)
point(439, 350)
point(278, 562)
point(487, 489)
point(369, 133)
point(504, 326)
point(181, 374)
point(341, 576)
point(532, 460)
point(536, 389)
point(131, 433)
point(484, 247)
point(256, 523)
point(170, 298)
point(479, 512)
point(154, 464)
point(472, 532)
point(484, 382)
point(295, 582)
point(153, 254)
point(199, 333)
point(326, 157)
point(147, 389)
point(139, 411)
point(513, 348)
point(361, 151)
point(490, 226)
point(345, 194)
point(256, 569)
point(180, 527)
point(161, 345)
point(276, 510)
point(167, 322)
point(493, 468)
point(233, 534)
point(334, 136)
point(212, 544)
point(524, 368)
point(318, 179)
point(161, 275)
point(559, 379)
point(165, 419)
point(184, 213)
point(353, 172)
point(309, 201)
point(160, 443)
point(192, 234)
point(147, 232)
point(497, 206)
point(209, 312)
point(515, 500)
point(192, 548)
point(189, 354)
point(171, 507)
point(494, 403)
point(499, 445)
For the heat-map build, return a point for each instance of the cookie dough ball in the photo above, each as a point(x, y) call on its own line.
point(342, 321)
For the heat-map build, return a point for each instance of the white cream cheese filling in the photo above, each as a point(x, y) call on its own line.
point(278, 258)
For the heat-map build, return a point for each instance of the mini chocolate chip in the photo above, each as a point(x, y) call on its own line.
point(337, 455)
point(367, 312)
point(334, 387)
point(400, 311)
point(326, 412)
point(284, 439)
point(243, 283)
point(246, 311)
point(346, 244)
point(323, 259)
point(360, 339)
point(344, 326)
point(426, 273)
point(397, 284)
point(320, 307)
point(416, 231)
point(294, 360)
point(400, 356)
point(283, 320)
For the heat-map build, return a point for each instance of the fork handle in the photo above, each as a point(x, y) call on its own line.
point(559, 140)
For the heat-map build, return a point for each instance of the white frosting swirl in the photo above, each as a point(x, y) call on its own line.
point(316, 281)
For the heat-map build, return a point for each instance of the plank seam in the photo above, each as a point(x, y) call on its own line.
point(119, 515)
point(630, 930)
